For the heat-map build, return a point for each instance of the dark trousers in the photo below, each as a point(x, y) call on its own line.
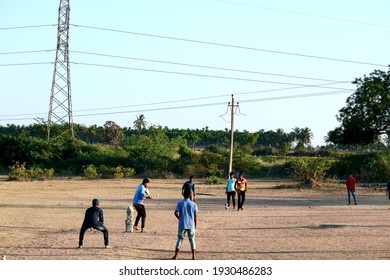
point(231, 195)
point(351, 192)
point(141, 214)
point(240, 198)
point(98, 226)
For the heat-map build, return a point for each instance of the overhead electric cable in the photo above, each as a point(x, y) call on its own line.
point(211, 104)
point(199, 75)
point(303, 14)
point(24, 64)
point(28, 26)
point(23, 52)
point(194, 105)
point(183, 100)
point(207, 67)
point(226, 45)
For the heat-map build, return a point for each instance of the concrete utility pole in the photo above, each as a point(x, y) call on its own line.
point(233, 107)
point(60, 110)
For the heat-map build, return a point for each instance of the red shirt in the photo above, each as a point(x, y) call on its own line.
point(350, 184)
point(241, 184)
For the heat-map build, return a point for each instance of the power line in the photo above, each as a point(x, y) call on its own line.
point(227, 45)
point(196, 99)
point(194, 105)
point(25, 64)
point(175, 63)
point(186, 100)
point(27, 26)
point(203, 42)
point(199, 75)
point(304, 14)
point(24, 52)
point(180, 100)
point(293, 96)
point(205, 66)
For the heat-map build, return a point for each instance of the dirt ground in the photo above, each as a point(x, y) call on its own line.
point(41, 221)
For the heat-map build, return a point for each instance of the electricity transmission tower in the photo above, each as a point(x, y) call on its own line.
point(60, 111)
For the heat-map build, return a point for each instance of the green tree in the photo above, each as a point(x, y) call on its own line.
point(113, 133)
point(366, 117)
point(311, 171)
point(302, 136)
point(139, 124)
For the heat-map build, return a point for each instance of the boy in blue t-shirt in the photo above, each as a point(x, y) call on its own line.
point(185, 212)
point(230, 191)
point(141, 193)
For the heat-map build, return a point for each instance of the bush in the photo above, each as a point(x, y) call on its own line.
point(123, 172)
point(213, 180)
point(90, 172)
point(372, 166)
point(311, 171)
point(105, 172)
point(19, 172)
point(40, 174)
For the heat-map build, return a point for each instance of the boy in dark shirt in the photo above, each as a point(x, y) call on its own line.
point(189, 186)
point(94, 219)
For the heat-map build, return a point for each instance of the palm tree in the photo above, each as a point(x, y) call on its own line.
point(113, 133)
point(306, 135)
point(140, 123)
point(303, 136)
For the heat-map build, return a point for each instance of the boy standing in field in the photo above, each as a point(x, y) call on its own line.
point(241, 187)
point(350, 183)
point(189, 186)
point(141, 193)
point(230, 191)
point(94, 219)
point(185, 212)
point(388, 189)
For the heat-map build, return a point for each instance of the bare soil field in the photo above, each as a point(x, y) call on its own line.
point(41, 221)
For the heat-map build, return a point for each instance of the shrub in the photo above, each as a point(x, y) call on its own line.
point(90, 172)
point(126, 171)
point(105, 172)
point(123, 172)
point(18, 172)
point(309, 170)
point(40, 174)
point(68, 172)
point(372, 166)
point(213, 180)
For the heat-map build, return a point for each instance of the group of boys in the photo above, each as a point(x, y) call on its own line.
point(185, 211)
point(233, 186)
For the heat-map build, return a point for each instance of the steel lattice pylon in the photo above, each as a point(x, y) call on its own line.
point(60, 110)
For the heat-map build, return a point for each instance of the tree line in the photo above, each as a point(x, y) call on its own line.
point(111, 151)
point(359, 145)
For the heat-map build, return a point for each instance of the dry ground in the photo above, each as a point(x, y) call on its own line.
point(41, 221)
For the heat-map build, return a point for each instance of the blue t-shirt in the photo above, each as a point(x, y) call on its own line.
point(187, 210)
point(140, 194)
point(230, 184)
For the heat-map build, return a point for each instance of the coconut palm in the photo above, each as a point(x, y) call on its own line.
point(302, 136)
point(139, 124)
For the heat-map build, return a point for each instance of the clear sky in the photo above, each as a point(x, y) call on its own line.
point(288, 63)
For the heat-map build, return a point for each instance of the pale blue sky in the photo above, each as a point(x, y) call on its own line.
point(277, 39)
